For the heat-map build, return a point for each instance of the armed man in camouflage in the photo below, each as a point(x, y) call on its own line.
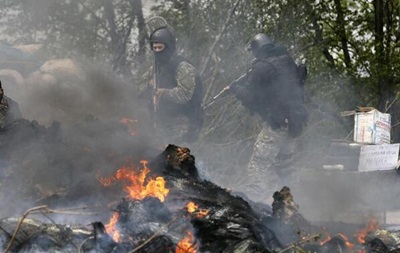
point(173, 89)
point(273, 89)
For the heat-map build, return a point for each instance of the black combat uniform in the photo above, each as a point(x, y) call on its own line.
point(273, 90)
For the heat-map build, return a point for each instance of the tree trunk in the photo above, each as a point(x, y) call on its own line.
point(319, 37)
point(383, 85)
point(118, 41)
point(341, 30)
point(138, 12)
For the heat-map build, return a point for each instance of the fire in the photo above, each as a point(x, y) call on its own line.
point(135, 182)
point(357, 245)
point(371, 226)
point(346, 240)
point(105, 181)
point(111, 227)
point(130, 125)
point(187, 244)
point(193, 209)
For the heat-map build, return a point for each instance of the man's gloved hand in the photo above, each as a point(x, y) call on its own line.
point(158, 93)
point(237, 89)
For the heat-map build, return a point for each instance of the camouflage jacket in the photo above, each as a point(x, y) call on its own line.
point(180, 94)
point(179, 102)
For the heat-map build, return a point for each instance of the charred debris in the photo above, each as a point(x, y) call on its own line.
point(193, 215)
point(169, 208)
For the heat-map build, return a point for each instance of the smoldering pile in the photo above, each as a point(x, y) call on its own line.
point(180, 212)
point(228, 223)
point(190, 215)
point(55, 173)
point(194, 216)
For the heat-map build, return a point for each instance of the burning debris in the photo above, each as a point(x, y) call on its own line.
point(286, 221)
point(168, 208)
point(195, 215)
point(174, 212)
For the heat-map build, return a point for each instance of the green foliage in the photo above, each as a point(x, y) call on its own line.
point(77, 29)
point(352, 53)
point(313, 32)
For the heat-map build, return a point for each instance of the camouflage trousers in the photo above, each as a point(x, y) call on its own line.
point(272, 154)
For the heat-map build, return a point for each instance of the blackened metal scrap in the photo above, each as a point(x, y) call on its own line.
point(103, 241)
point(287, 222)
point(284, 208)
point(39, 208)
point(134, 213)
point(335, 245)
point(383, 239)
point(166, 244)
point(36, 236)
point(145, 226)
point(175, 161)
point(377, 245)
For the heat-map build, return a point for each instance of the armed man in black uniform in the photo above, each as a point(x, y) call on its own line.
point(272, 88)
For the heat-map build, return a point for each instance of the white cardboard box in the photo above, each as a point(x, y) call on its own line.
point(372, 127)
point(378, 157)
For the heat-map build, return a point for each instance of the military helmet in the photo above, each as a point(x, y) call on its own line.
point(164, 35)
point(258, 41)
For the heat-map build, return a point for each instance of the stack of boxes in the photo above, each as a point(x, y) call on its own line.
point(372, 130)
point(371, 149)
point(372, 127)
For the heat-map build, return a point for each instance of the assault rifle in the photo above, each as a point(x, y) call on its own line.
point(225, 91)
point(301, 71)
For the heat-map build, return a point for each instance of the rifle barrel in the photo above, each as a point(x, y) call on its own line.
point(226, 89)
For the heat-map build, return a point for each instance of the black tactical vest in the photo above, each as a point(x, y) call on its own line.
point(278, 97)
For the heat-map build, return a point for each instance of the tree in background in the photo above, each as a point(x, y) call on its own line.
point(351, 49)
point(356, 41)
point(110, 31)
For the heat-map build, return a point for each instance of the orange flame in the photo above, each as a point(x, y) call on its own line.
point(135, 183)
point(111, 228)
point(371, 226)
point(187, 244)
point(105, 181)
point(193, 209)
point(346, 240)
point(130, 125)
point(356, 247)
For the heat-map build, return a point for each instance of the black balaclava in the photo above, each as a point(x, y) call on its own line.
point(165, 36)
